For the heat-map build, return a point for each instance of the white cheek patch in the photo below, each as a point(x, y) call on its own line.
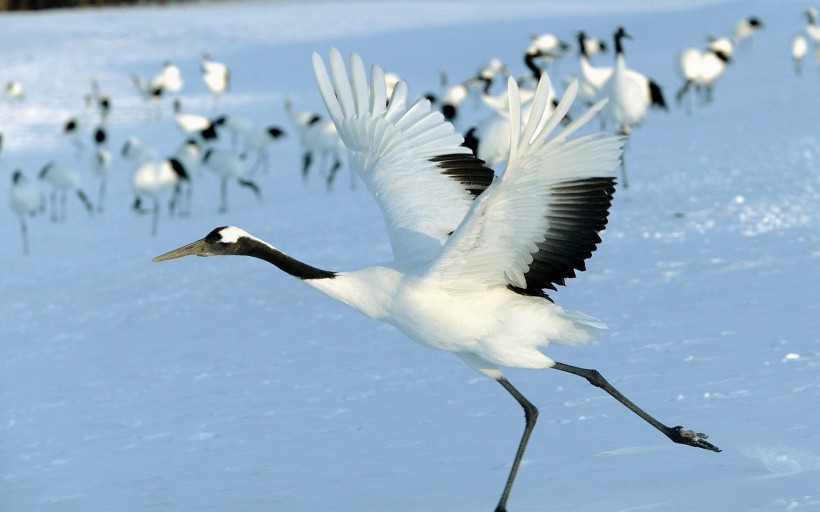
point(231, 234)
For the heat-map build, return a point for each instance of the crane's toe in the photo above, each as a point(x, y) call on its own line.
point(690, 437)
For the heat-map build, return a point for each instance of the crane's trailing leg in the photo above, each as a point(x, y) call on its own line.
point(530, 416)
point(676, 434)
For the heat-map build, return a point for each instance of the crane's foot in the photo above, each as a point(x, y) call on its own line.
point(690, 437)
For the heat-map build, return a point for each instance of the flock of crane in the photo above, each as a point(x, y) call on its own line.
point(156, 180)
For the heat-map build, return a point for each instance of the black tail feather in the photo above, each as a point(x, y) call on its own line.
point(656, 95)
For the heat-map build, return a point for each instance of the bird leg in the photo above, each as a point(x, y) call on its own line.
point(251, 185)
point(188, 193)
point(676, 434)
point(61, 216)
point(101, 195)
point(172, 204)
point(86, 202)
point(307, 158)
point(682, 95)
point(530, 417)
point(53, 201)
point(155, 217)
point(331, 175)
point(24, 230)
point(223, 196)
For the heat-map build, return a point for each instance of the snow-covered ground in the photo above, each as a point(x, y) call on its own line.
point(222, 384)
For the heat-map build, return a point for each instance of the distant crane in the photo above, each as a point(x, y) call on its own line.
point(813, 31)
point(193, 125)
point(26, 201)
point(216, 75)
point(745, 28)
point(152, 179)
point(800, 47)
point(229, 167)
point(700, 69)
point(63, 179)
point(320, 140)
point(630, 94)
point(472, 253)
point(101, 167)
point(14, 92)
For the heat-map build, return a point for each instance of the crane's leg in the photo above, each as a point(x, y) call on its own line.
point(63, 201)
point(676, 434)
point(307, 158)
point(86, 202)
point(251, 185)
point(530, 417)
point(101, 195)
point(223, 196)
point(189, 190)
point(331, 175)
point(25, 234)
point(155, 217)
point(53, 201)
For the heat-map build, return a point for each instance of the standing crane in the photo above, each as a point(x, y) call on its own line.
point(26, 201)
point(473, 253)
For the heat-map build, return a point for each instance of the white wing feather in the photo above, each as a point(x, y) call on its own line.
point(495, 243)
point(391, 148)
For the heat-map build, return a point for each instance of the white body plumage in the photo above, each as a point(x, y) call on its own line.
point(26, 197)
point(26, 200)
point(215, 75)
point(169, 78)
point(153, 178)
point(627, 100)
point(486, 327)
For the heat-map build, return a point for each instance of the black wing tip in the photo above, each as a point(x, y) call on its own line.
point(467, 169)
point(579, 214)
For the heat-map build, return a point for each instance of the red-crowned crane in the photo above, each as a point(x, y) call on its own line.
point(473, 253)
point(26, 201)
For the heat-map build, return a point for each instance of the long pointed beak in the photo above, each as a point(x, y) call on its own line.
point(198, 248)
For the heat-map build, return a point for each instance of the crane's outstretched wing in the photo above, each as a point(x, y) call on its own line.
point(537, 225)
point(409, 157)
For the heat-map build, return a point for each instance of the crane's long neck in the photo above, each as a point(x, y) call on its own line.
point(258, 249)
point(620, 59)
point(619, 47)
point(529, 61)
point(583, 57)
point(582, 47)
point(368, 290)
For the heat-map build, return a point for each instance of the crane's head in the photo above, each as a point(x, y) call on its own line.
point(621, 32)
point(225, 240)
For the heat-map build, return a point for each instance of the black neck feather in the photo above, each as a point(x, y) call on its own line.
point(619, 49)
point(581, 46)
point(294, 267)
point(529, 61)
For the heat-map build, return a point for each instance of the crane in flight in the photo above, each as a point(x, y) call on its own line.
point(473, 253)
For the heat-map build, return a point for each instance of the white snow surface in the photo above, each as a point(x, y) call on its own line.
point(222, 384)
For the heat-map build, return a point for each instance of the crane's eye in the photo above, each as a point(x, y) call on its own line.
point(215, 235)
